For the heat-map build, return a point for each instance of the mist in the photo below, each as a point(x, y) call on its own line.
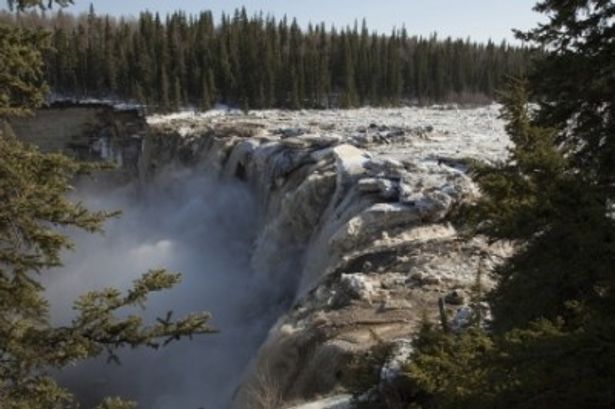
point(187, 222)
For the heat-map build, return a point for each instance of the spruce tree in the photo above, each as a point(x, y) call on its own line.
point(206, 99)
point(164, 99)
point(394, 75)
point(211, 86)
point(551, 341)
point(580, 83)
point(34, 211)
point(252, 60)
point(109, 60)
point(295, 99)
point(177, 100)
point(227, 79)
point(22, 82)
point(349, 97)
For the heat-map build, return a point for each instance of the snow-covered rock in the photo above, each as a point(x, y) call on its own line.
point(334, 402)
point(354, 230)
point(392, 368)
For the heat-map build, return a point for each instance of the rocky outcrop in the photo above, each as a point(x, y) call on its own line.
point(88, 132)
point(354, 209)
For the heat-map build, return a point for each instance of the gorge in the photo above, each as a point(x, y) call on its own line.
point(311, 236)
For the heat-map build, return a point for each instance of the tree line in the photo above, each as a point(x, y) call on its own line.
point(260, 62)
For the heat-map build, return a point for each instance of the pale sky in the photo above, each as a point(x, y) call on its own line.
point(479, 19)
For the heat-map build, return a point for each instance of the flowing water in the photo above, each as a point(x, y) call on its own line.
point(203, 228)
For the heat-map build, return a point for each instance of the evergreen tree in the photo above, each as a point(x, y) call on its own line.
point(260, 62)
point(394, 75)
point(22, 82)
point(323, 85)
point(177, 101)
point(295, 99)
point(34, 210)
point(226, 76)
point(551, 342)
point(109, 60)
point(580, 83)
point(206, 98)
point(211, 87)
point(349, 97)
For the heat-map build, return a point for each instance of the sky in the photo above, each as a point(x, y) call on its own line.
point(478, 19)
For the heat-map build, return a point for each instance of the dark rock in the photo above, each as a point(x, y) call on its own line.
point(454, 298)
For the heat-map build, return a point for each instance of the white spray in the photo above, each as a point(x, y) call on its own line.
point(202, 228)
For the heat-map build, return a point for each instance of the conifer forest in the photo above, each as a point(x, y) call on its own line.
point(256, 61)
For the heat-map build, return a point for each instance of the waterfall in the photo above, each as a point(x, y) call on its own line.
point(309, 243)
point(188, 221)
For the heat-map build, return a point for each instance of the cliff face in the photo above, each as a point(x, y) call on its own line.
point(353, 206)
point(90, 132)
point(354, 232)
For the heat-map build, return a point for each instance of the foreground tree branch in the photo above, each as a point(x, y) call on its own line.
point(33, 208)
